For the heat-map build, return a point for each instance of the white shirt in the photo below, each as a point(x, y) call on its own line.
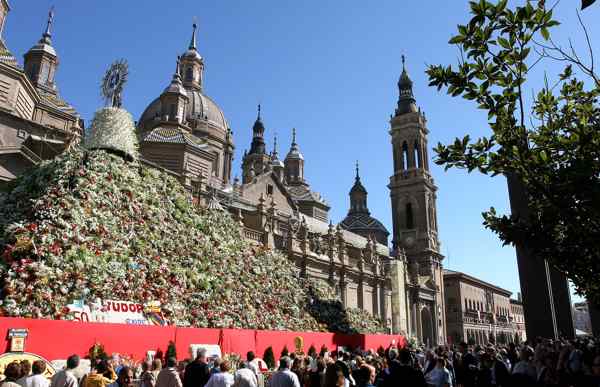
point(245, 377)
point(221, 379)
point(37, 381)
point(284, 378)
point(64, 378)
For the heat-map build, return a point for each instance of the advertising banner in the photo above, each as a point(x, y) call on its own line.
point(114, 311)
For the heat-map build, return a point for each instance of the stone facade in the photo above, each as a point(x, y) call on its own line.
point(479, 312)
point(518, 318)
point(35, 122)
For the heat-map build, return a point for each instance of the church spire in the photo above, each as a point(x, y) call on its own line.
point(193, 40)
point(274, 154)
point(176, 86)
point(41, 61)
point(47, 35)
point(358, 195)
point(406, 100)
point(294, 163)
point(258, 141)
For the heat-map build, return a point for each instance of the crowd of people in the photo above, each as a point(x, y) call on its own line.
point(545, 363)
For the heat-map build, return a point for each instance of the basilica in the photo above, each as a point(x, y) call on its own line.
point(185, 132)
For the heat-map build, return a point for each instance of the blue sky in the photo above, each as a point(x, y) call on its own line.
point(328, 68)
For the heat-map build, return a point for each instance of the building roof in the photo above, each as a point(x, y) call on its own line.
point(55, 101)
point(303, 193)
point(466, 277)
point(363, 221)
point(174, 135)
point(355, 240)
point(6, 56)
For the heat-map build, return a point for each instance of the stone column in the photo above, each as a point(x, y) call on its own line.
point(399, 317)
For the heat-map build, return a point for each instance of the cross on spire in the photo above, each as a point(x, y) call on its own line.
point(357, 175)
point(403, 61)
point(293, 136)
point(258, 117)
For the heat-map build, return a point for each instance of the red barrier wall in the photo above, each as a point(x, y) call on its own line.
point(56, 339)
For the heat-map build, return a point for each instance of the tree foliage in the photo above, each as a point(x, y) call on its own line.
point(551, 144)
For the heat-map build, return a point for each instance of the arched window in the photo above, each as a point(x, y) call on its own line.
point(404, 156)
point(189, 74)
point(417, 155)
point(410, 223)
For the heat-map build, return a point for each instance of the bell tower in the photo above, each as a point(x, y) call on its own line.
point(41, 61)
point(413, 199)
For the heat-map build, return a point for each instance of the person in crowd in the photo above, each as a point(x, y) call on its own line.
point(430, 362)
point(402, 370)
point(593, 380)
point(25, 372)
point(66, 377)
point(125, 378)
point(37, 378)
point(245, 377)
point(168, 376)
point(466, 368)
point(147, 378)
point(525, 372)
point(297, 368)
point(317, 373)
point(197, 372)
point(500, 373)
point(216, 366)
point(181, 367)
point(334, 376)
point(11, 374)
point(284, 377)
point(96, 377)
point(222, 378)
point(547, 375)
point(439, 376)
point(156, 368)
point(252, 363)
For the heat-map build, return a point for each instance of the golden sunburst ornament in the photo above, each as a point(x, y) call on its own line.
point(113, 82)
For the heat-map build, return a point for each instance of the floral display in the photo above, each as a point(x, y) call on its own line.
point(90, 225)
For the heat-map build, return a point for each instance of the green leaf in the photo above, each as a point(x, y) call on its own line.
point(456, 39)
point(545, 33)
point(504, 43)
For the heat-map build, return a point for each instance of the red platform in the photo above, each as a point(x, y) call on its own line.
point(57, 339)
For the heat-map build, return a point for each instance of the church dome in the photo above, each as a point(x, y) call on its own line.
point(363, 224)
point(200, 107)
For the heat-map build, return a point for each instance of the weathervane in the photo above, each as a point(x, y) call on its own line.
point(113, 82)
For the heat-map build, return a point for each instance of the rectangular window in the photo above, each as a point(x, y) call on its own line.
point(269, 189)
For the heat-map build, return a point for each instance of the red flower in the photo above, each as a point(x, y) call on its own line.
point(32, 227)
point(55, 248)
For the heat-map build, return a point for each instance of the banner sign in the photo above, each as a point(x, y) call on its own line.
point(120, 312)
